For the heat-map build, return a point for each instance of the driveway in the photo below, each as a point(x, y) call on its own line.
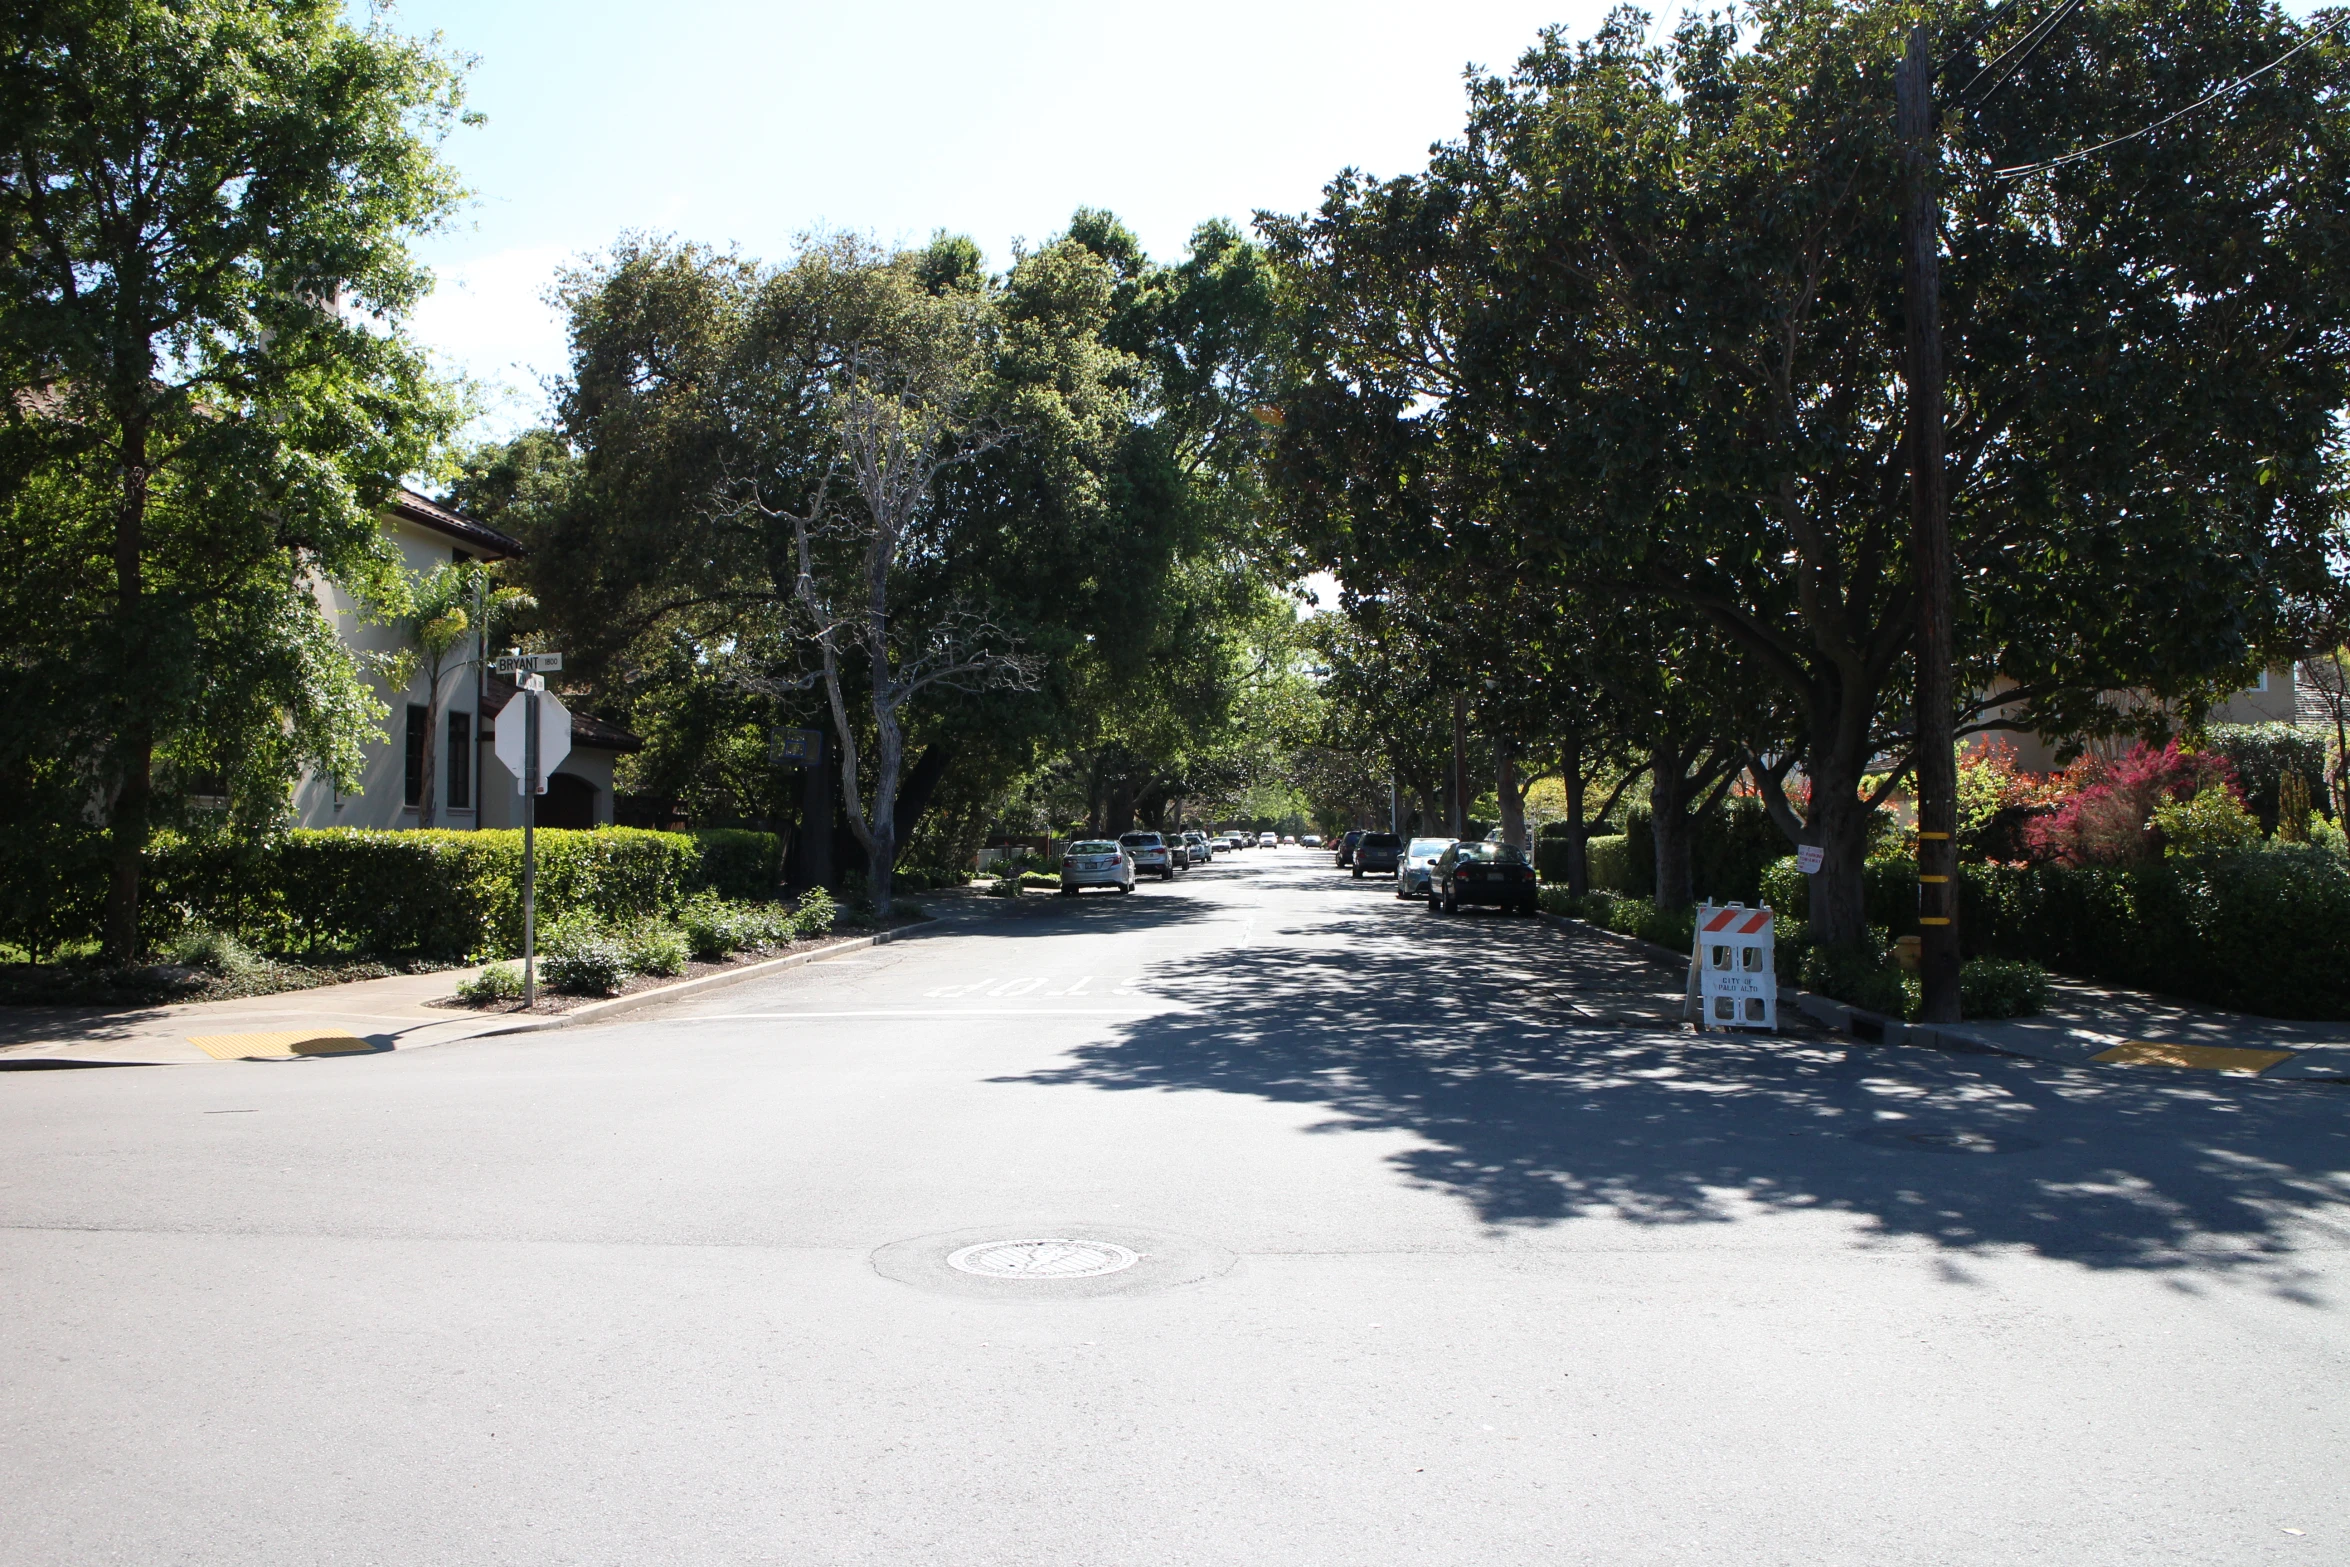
point(1375, 1237)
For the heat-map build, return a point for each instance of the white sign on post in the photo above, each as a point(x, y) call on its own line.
point(1737, 985)
point(554, 736)
point(1808, 857)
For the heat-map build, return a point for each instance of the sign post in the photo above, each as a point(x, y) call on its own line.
point(804, 749)
point(534, 733)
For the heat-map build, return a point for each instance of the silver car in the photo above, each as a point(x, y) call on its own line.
point(1197, 846)
point(1419, 857)
point(1153, 855)
point(1095, 862)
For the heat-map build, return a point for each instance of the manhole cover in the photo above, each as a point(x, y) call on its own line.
point(1043, 1259)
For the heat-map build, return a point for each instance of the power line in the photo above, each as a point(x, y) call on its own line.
point(2012, 58)
point(2217, 93)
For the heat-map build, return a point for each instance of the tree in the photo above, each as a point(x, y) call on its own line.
point(1656, 288)
point(199, 205)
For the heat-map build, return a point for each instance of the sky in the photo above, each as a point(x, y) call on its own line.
point(752, 124)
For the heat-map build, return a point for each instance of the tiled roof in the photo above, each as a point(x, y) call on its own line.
point(586, 729)
point(488, 543)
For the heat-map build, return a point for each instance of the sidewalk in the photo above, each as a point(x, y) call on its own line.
point(2085, 1025)
point(384, 1014)
point(365, 1018)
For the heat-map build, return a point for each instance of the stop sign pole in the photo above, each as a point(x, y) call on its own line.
point(529, 671)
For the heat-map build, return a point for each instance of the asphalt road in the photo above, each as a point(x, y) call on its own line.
point(1450, 1250)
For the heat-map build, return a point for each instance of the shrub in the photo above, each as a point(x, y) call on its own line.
point(737, 864)
point(653, 947)
point(2214, 821)
point(202, 946)
point(1862, 977)
point(1889, 893)
point(2001, 987)
point(2261, 756)
point(815, 914)
point(498, 982)
point(581, 957)
point(2110, 821)
point(716, 927)
point(1610, 862)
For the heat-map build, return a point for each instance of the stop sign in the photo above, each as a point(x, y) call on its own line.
point(554, 735)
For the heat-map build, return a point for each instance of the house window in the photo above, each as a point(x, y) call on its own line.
point(413, 788)
point(2262, 683)
point(460, 761)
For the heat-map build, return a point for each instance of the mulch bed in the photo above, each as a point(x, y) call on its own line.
point(552, 1004)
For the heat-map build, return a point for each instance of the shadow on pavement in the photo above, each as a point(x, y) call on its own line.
point(1542, 1074)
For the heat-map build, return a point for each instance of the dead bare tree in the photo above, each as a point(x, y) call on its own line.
point(899, 420)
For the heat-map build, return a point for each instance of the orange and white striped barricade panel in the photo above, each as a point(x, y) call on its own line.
point(1738, 986)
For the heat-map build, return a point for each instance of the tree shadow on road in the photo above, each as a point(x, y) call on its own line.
point(1541, 1073)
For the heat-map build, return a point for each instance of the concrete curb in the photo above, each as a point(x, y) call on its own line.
point(597, 1011)
point(1867, 1027)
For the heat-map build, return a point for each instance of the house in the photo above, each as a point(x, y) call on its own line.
point(2277, 697)
point(473, 788)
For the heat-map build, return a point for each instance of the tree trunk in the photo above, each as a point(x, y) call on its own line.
point(1669, 824)
point(1839, 824)
point(1578, 834)
point(1511, 792)
point(922, 782)
point(128, 820)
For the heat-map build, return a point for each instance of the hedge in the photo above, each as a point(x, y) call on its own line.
point(2265, 930)
point(437, 893)
point(1731, 846)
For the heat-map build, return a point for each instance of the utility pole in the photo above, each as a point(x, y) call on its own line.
point(1460, 771)
point(1936, 766)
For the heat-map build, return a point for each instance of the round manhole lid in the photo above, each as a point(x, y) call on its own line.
point(1043, 1259)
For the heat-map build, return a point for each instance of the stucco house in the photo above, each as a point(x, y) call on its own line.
point(473, 789)
point(2276, 698)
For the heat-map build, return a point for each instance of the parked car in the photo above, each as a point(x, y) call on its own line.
point(1492, 873)
point(1266, 840)
point(1232, 842)
point(1196, 845)
point(1096, 862)
point(1375, 851)
point(1151, 853)
point(1346, 847)
point(1312, 840)
point(1419, 858)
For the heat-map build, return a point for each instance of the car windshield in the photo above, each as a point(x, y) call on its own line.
point(1495, 853)
point(1140, 840)
point(1092, 846)
point(1429, 848)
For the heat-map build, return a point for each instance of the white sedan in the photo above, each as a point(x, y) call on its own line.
point(1095, 862)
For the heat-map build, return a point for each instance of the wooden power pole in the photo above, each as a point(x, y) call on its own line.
point(1936, 768)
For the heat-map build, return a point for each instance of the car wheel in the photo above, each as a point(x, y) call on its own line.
point(1168, 874)
point(1452, 904)
point(1125, 887)
point(1068, 892)
point(1358, 873)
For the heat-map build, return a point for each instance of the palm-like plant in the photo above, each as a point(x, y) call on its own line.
point(446, 609)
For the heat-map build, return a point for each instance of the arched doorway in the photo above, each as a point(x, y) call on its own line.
point(570, 801)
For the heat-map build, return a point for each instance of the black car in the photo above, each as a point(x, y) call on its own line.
point(1377, 851)
point(1482, 873)
point(1346, 847)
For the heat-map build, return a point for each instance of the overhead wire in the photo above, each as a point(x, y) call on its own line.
point(2012, 58)
point(2018, 171)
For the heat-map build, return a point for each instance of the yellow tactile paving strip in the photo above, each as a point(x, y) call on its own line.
point(282, 1046)
point(2202, 1058)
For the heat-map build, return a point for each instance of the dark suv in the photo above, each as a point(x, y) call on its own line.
point(1377, 851)
point(1482, 873)
point(1346, 847)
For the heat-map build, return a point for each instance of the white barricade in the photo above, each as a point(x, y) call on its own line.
point(1732, 981)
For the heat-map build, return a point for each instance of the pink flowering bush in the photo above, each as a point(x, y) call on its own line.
point(2109, 820)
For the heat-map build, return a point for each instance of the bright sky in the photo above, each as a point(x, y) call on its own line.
point(735, 122)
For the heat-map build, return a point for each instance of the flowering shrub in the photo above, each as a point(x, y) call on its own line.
point(2110, 821)
point(1997, 802)
point(2213, 822)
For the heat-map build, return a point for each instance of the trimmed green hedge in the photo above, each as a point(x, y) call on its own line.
point(1610, 863)
point(438, 893)
point(2265, 930)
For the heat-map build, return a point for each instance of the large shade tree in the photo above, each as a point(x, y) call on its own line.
point(205, 218)
point(1656, 288)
